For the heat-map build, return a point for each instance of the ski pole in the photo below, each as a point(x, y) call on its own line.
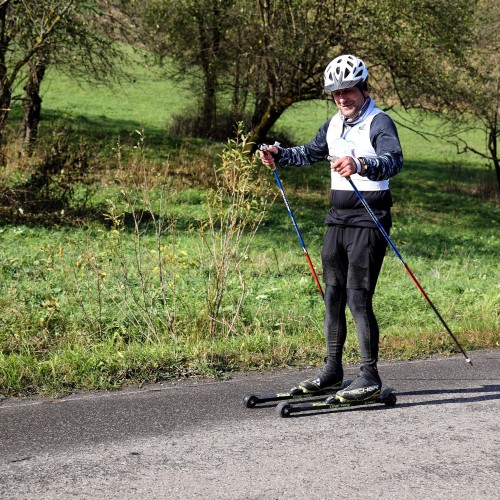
point(400, 257)
point(263, 147)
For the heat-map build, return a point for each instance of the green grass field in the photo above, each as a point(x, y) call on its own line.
point(162, 284)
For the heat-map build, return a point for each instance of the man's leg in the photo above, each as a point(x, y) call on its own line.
point(335, 327)
point(360, 305)
point(334, 261)
point(366, 254)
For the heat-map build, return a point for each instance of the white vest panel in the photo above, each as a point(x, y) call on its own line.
point(358, 145)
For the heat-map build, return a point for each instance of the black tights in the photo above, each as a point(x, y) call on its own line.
point(360, 305)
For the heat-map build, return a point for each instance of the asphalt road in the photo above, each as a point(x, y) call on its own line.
point(193, 440)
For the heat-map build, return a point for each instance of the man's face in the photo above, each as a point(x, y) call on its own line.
point(349, 101)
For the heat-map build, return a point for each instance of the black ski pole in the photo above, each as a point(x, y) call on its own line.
point(400, 257)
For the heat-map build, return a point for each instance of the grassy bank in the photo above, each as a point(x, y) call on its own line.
point(169, 278)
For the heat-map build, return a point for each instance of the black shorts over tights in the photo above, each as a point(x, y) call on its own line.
point(352, 256)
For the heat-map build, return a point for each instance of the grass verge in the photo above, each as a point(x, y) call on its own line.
point(188, 268)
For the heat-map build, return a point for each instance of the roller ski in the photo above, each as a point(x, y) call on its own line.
point(310, 388)
point(386, 397)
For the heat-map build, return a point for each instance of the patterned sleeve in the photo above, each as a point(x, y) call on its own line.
point(385, 140)
point(315, 151)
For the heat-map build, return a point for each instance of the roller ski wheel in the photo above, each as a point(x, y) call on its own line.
point(251, 400)
point(390, 399)
point(285, 409)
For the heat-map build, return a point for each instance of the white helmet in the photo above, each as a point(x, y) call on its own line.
point(344, 72)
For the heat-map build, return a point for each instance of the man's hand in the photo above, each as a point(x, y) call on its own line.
point(345, 166)
point(266, 155)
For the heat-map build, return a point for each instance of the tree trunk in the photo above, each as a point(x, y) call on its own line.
point(209, 105)
point(5, 84)
point(33, 105)
point(5, 101)
point(209, 39)
point(269, 118)
point(493, 147)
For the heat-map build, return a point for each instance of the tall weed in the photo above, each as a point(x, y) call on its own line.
point(236, 208)
point(144, 286)
point(134, 273)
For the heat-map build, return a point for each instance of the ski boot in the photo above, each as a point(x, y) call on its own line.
point(365, 387)
point(327, 380)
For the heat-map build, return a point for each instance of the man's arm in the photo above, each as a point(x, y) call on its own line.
point(385, 140)
point(298, 156)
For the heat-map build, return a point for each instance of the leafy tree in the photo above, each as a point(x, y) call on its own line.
point(415, 48)
point(66, 33)
point(406, 44)
point(443, 58)
point(272, 50)
point(83, 47)
point(474, 96)
point(24, 30)
point(276, 50)
point(481, 96)
point(195, 33)
point(294, 41)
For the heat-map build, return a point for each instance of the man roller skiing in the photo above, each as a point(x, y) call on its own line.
point(364, 143)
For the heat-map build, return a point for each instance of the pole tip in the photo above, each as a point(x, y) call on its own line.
point(468, 361)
